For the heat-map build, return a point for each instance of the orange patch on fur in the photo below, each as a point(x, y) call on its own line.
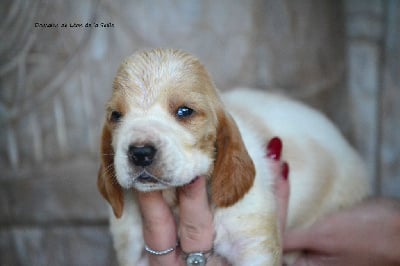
point(106, 180)
point(234, 171)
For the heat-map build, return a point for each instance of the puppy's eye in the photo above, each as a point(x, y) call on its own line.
point(184, 112)
point(115, 116)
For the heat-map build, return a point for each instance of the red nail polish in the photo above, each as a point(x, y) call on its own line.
point(274, 149)
point(285, 171)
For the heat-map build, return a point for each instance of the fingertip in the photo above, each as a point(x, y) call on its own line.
point(282, 186)
point(274, 149)
point(195, 188)
point(285, 171)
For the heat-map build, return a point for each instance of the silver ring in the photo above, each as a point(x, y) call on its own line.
point(197, 258)
point(159, 252)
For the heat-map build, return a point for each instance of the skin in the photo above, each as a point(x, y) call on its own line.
point(196, 228)
point(365, 234)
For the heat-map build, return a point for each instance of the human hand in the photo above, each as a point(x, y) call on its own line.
point(366, 234)
point(282, 188)
point(196, 228)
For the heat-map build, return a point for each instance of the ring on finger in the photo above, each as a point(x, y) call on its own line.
point(197, 258)
point(159, 252)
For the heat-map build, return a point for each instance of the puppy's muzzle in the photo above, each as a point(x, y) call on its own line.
point(141, 155)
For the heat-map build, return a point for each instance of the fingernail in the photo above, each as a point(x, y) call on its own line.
point(285, 171)
point(274, 149)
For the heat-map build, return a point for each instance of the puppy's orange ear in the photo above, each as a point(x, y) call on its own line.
point(234, 171)
point(106, 180)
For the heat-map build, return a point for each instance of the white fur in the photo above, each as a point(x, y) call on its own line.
point(157, 127)
point(298, 126)
point(312, 146)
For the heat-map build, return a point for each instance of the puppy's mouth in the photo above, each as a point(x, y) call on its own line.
point(146, 178)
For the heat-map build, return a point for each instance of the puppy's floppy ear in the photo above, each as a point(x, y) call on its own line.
point(234, 171)
point(106, 180)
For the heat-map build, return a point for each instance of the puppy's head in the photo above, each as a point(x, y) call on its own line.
point(165, 126)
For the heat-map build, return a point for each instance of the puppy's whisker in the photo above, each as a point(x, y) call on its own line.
point(108, 154)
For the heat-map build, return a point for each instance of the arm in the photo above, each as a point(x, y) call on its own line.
point(366, 234)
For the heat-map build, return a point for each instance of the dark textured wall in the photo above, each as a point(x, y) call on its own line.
point(341, 57)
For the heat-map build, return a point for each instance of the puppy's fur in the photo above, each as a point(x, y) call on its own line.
point(224, 141)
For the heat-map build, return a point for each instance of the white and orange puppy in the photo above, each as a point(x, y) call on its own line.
point(166, 125)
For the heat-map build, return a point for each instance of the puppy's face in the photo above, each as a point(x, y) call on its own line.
point(165, 126)
point(162, 121)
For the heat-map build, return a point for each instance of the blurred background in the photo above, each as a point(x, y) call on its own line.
point(342, 57)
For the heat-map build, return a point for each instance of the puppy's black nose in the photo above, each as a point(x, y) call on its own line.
point(141, 156)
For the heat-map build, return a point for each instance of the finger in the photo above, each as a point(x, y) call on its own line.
point(196, 229)
point(282, 192)
point(274, 149)
point(281, 173)
point(314, 259)
point(310, 239)
point(159, 230)
point(295, 240)
point(330, 234)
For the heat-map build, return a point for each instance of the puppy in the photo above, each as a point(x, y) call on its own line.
point(166, 124)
